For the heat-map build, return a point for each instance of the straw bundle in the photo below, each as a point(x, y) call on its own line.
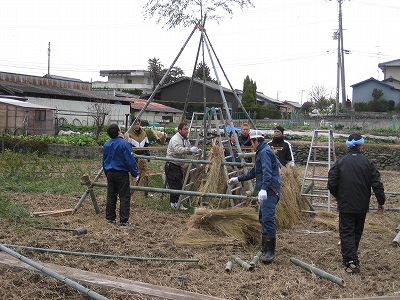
point(142, 169)
point(288, 210)
point(221, 226)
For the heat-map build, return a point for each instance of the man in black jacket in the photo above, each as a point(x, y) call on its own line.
point(281, 147)
point(350, 181)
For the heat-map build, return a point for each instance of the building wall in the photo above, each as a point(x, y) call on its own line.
point(77, 112)
point(363, 92)
point(177, 93)
point(21, 120)
point(392, 71)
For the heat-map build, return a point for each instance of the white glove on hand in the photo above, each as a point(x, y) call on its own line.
point(233, 180)
point(262, 195)
point(136, 178)
point(194, 150)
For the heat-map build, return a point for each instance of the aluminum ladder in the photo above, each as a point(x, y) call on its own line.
point(321, 158)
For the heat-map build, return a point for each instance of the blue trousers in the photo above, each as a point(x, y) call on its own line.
point(266, 214)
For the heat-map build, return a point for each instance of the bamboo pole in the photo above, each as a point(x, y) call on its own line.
point(53, 274)
point(396, 240)
point(86, 181)
point(194, 161)
point(103, 255)
point(242, 263)
point(256, 258)
point(228, 267)
point(318, 272)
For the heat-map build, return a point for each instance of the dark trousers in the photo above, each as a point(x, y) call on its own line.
point(118, 185)
point(351, 227)
point(174, 174)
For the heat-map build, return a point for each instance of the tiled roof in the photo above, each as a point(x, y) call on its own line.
point(372, 79)
point(26, 89)
point(138, 104)
point(392, 63)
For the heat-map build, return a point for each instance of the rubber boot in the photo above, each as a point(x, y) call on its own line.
point(270, 243)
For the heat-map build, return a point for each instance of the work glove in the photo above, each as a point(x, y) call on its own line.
point(136, 178)
point(233, 180)
point(262, 195)
point(194, 150)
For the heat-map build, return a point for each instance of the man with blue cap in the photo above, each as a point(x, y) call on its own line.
point(350, 181)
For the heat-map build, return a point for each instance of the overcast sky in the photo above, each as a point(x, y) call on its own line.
point(284, 46)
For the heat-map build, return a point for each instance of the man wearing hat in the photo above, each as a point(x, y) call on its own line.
point(268, 184)
point(350, 181)
point(282, 148)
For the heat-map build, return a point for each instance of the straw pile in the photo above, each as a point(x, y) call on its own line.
point(222, 226)
point(288, 210)
point(142, 169)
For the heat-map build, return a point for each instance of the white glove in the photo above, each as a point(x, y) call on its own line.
point(136, 178)
point(194, 150)
point(233, 180)
point(262, 195)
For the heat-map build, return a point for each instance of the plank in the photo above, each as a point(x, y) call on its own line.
point(110, 282)
point(53, 212)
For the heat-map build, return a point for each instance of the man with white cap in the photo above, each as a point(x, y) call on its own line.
point(350, 181)
point(282, 147)
point(268, 185)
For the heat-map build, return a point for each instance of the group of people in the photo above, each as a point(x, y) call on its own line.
point(350, 181)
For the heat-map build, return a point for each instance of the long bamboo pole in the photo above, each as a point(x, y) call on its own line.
point(318, 272)
point(53, 274)
point(103, 255)
point(86, 181)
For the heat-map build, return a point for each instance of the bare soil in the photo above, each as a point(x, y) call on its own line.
point(313, 240)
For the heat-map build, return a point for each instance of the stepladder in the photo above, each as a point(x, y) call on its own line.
point(321, 158)
point(211, 128)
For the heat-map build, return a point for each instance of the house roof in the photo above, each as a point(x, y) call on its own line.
point(295, 104)
point(374, 80)
point(104, 73)
point(209, 84)
point(138, 104)
point(392, 63)
point(18, 89)
point(23, 103)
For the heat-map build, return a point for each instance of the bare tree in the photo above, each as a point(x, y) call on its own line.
point(99, 110)
point(319, 96)
point(190, 12)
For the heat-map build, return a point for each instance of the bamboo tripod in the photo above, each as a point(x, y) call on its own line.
point(204, 40)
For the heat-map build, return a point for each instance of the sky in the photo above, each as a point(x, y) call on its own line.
point(286, 47)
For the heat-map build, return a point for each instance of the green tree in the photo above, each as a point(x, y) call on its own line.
point(307, 107)
point(249, 96)
point(155, 68)
point(174, 75)
point(202, 72)
point(377, 94)
point(190, 12)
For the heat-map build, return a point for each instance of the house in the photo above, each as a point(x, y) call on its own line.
point(73, 99)
point(21, 117)
point(174, 94)
point(125, 80)
point(155, 112)
point(362, 91)
point(290, 106)
point(390, 85)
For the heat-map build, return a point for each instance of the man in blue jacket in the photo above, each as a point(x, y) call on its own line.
point(118, 162)
point(268, 185)
point(350, 181)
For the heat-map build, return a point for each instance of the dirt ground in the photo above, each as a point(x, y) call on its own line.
point(313, 240)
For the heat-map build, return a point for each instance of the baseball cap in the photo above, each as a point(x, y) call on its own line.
point(255, 134)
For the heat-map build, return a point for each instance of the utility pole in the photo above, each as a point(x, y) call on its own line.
point(48, 60)
point(338, 35)
point(301, 99)
point(277, 93)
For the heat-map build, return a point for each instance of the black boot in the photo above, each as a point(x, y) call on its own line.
point(269, 254)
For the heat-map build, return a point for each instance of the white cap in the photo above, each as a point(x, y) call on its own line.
point(255, 134)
